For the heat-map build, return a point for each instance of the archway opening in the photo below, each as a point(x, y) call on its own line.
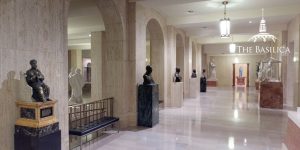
point(85, 25)
point(155, 54)
point(85, 44)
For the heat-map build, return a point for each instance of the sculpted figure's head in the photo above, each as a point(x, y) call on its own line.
point(149, 69)
point(78, 71)
point(33, 63)
point(177, 69)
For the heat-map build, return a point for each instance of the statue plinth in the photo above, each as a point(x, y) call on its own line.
point(240, 80)
point(271, 95)
point(148, 105)
point(176, 95)
point(36, 114)
point(37, 128)
point(212, 83)
point(194, 87)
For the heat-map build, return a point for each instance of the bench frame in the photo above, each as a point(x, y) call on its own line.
point(84, 114)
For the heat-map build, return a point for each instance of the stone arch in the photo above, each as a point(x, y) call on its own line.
point(115, 56)
point(180, 54)
point(157, 46)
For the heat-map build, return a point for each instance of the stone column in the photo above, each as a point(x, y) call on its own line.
point(187, 65)
point(199, 59)
point(171, 61)
point(194, 57)
point(96, 58)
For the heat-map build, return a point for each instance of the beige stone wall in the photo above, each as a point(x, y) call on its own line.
point(224, 67)
point(32, 29)
point(293, 63)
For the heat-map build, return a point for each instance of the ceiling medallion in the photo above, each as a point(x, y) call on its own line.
point(263, 35)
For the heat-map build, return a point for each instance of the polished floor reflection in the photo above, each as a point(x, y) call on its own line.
point(221, 119)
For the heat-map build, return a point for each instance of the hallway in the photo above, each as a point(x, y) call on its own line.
point(222, 118)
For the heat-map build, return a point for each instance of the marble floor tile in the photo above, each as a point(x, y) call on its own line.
point(221, 119)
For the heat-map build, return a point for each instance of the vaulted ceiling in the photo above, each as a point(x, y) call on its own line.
point(199, 18)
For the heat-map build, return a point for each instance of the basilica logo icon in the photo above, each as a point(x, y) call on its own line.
point(263, 36)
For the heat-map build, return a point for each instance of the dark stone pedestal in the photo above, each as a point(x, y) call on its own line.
point(203, 84)
point(148, 105)
point(45, 138)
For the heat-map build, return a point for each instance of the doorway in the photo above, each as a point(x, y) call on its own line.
point(240, 75)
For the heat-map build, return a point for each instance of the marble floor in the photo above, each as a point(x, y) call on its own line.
point(221, 119)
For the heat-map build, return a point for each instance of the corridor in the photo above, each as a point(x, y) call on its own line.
point(221, 119)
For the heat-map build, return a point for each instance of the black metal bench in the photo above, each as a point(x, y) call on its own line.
point(85, 119)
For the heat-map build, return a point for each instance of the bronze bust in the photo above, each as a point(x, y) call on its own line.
point(35, 78)
point(177, 77)
point(194, 74)
point(147, 76)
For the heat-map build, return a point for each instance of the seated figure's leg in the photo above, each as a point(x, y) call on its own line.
point(38, 93)
point(46, 91)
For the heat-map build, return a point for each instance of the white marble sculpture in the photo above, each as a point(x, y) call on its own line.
point(260, 72)
point(265, 69)
point(76, 82)
point(212, 69)
point(24, 91)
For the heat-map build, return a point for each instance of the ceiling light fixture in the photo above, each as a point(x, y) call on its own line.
point(225, 23)
point(232, 46)
point(263, 35)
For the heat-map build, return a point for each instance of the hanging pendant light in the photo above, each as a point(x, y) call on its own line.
point(225, 24)
point(263, 35)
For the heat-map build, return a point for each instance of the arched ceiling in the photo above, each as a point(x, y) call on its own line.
point(84, 18)
point(203, 19)
point(201, 23)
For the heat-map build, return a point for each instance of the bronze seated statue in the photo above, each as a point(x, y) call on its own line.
point(35, 78)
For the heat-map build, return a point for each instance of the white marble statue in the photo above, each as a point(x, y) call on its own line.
point(76, 82)
point(260, 72)
point(24, 91)
point(212, 69)
point(265, 69)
